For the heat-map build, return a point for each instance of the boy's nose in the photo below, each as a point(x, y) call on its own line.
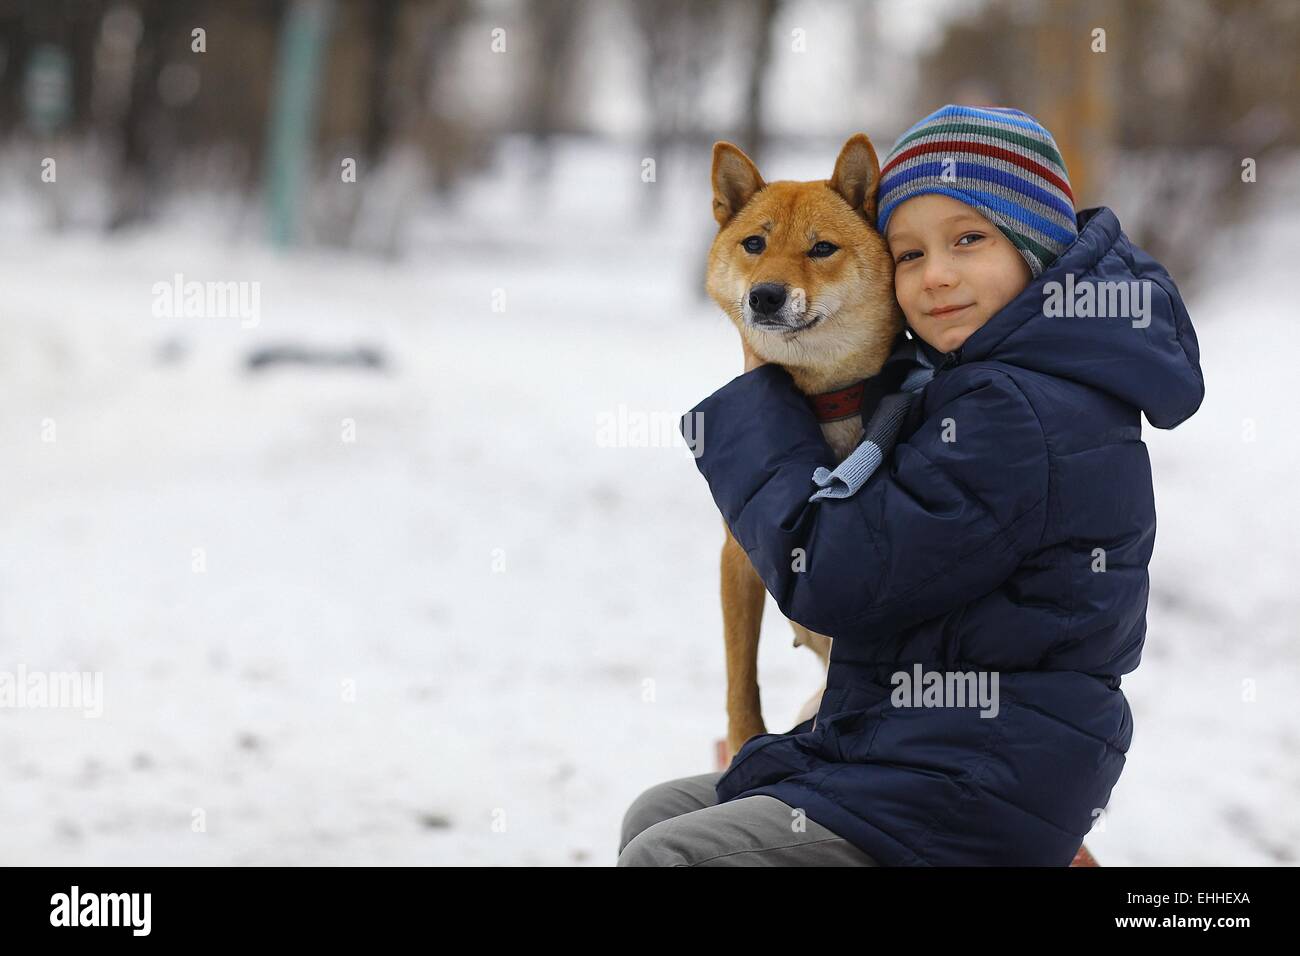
point(938, 275)
point(767, 297)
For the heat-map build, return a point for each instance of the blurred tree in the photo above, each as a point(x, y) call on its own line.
point(553, 27)
point(680, 39)
point(763, 15)
point(386, 68)
point(383, 17)
point(45, 53)
point(139, 168)
point(13, 61)
point(435, 28)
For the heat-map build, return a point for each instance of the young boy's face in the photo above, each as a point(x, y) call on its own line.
point(953, 269)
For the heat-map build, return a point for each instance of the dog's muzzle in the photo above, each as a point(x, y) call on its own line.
point(770, 306)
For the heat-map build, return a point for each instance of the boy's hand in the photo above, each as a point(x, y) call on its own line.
point(752, 361)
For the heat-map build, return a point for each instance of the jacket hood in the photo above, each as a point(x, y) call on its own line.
point(1105, 315)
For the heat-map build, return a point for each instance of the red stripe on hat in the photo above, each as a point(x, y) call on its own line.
point(982, 149)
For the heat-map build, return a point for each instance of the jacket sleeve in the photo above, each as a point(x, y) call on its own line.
point(948, 519)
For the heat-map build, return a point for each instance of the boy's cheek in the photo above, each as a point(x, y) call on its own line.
point(903, 294)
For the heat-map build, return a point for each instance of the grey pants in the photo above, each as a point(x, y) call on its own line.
point(680, 823)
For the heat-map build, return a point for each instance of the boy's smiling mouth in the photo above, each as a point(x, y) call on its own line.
point(949, 309)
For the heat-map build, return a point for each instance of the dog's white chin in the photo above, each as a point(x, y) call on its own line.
point(812, 323)
point(788, 331)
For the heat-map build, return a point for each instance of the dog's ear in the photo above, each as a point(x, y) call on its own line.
point(735, 180)
point(857, 175)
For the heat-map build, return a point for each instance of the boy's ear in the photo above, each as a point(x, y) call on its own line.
point(735, 180)
point(857, 176)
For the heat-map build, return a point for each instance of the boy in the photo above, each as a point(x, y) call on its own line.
point(1005, 544)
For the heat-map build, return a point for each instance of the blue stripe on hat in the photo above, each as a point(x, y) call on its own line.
point(977, 198)
point(1013, 117)
point(977, 170)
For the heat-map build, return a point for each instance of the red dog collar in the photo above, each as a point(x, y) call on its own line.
point(841, 403)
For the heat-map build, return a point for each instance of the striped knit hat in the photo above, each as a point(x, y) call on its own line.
point(1001, 161)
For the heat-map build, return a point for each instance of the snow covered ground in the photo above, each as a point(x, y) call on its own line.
point(434, 618)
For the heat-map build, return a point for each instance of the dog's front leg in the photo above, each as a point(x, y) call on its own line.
point(742, 619)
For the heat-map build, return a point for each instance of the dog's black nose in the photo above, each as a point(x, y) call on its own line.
point(767, 297)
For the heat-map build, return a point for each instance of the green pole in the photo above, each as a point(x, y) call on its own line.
point(299, 62)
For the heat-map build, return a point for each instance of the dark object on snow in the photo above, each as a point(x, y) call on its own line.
point(171, 351)
point(360, 356)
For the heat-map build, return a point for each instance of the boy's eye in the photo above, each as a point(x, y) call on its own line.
point(754, 244)
point(975, 236)
point(905, 256)
point(822, 249)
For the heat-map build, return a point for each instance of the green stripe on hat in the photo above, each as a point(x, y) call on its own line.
point(1028, 142)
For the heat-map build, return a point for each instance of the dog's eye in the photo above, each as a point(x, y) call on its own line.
point(822, 249)
point(754, 244)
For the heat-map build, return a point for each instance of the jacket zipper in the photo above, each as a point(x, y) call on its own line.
point(952, 359)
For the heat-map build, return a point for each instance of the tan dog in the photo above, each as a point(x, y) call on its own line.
point(809, 284)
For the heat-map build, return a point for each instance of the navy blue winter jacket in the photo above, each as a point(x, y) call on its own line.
point(1020, 547)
